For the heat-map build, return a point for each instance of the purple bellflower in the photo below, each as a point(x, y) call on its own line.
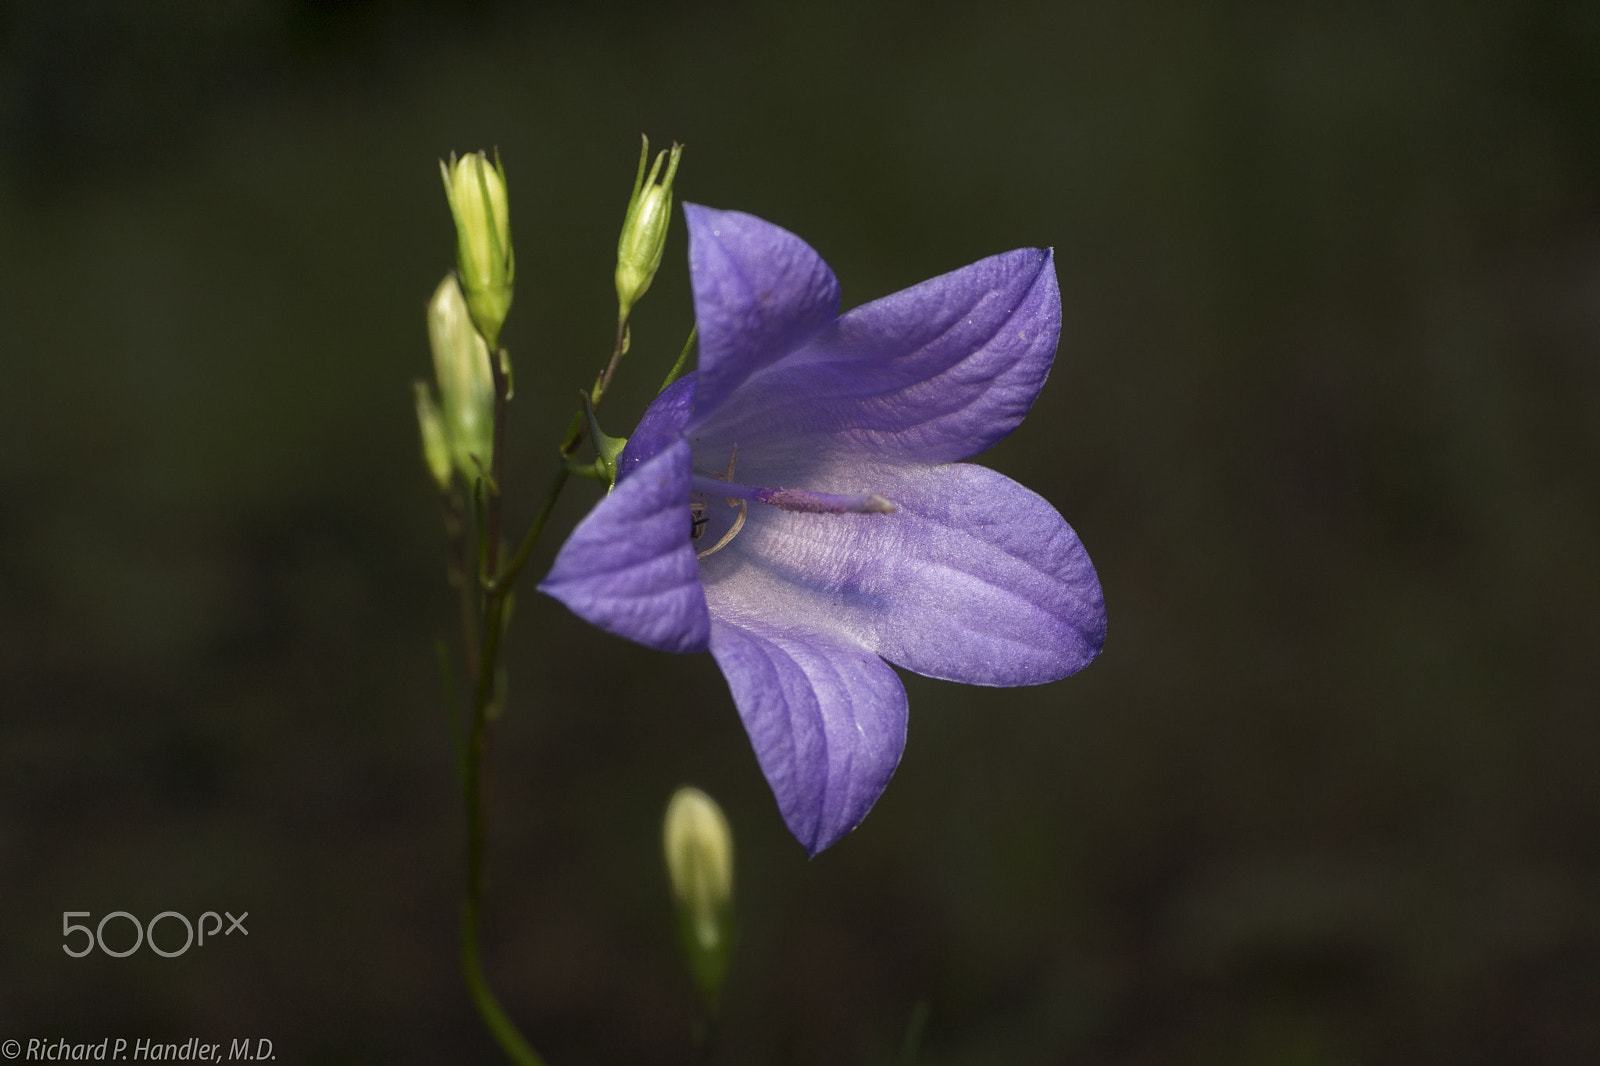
point(800, 507)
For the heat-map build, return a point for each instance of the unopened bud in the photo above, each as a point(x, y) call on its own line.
point(477, 194)
point(699, 851)
point(466, 383)
point(644, 228)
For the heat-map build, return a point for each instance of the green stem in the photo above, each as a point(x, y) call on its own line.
point(911, 1046)
point(575, 432)
point(483, 663)
point(683, 360)
point(483, 997)
point(604, 381)
point(452, 705)
point(483, 660)
point(504, 1030)
point(497, 464)
point(518, 560)
point(457, 570)
point(494, 604)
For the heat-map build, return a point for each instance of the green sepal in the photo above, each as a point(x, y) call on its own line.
point(607, 448)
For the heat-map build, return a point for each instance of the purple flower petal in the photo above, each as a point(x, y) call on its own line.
point(973, 579)
point(629, 567)
point(760, 292)
point(827, 719)
point(934, 373)
point(661, 426)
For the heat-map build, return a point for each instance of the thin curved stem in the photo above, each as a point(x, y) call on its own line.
point(483, 660)
point(683, 360)
point(481, 643)
point(494, 1016)
point(519, 559)
point(483, 997)
point(504, 1030)
point(617, 351)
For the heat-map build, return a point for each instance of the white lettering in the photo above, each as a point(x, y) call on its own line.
point(61, 1051)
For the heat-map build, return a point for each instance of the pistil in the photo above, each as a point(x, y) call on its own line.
point(796, 499)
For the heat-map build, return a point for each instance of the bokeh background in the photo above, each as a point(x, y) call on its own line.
point(1326, 413)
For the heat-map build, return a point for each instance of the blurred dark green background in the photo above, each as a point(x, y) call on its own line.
point(1326, 413)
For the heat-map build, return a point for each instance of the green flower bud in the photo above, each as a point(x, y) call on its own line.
point(466, 383)
point(477, 195)
point(699, 850)
point(435, 441)
point(644, 228)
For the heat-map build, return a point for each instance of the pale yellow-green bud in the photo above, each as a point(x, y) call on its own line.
point(699, 851)
point(466, 383)
point(435, 441)
point(644, 228)
point(477, 194)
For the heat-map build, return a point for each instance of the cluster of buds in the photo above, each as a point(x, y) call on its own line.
point(469, 308)
point(464, 320)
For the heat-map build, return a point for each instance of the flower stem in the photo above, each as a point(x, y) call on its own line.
point(683, 361)
point(504, 1030)
point(494, 1017)
point(457, 570)
point(482, 644)
point(617, 351)
point(494, 618)
point(481, 637)
point(497, 464)
point(518, 560)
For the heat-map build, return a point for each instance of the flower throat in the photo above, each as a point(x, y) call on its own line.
point(797, 500)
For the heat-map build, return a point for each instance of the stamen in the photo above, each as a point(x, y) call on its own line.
point(733, 531)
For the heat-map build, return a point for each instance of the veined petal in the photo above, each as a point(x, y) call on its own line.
point(629, 567)
point(661, 426)
point(827, 719)
point(760, 292)
point(973, 578)
point(934, 373)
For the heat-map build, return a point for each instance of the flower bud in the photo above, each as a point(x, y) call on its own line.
point(477, 195)
point(644, 228)
point(699, 850)
point(466, 384)
point(435, 441)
